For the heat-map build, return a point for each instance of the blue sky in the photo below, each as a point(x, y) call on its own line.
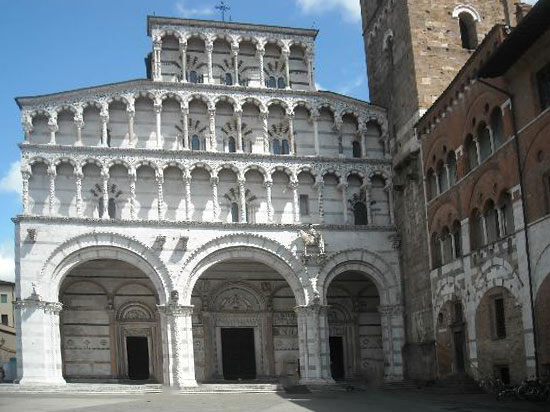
point(57, 45)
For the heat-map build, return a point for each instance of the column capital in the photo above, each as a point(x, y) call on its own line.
point(241, 181)
point(183, 45)
point(390, 309)
point(268, 184)
point(312, 308)
point(214, 180)
point(175, 310)
point(52, 171)
point(294, 184)
point(36, 303)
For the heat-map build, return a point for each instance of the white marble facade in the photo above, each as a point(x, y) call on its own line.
point(179, 206)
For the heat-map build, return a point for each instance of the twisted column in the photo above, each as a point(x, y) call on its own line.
point(268, 186)
point(314, 119)
point(294, 185)
point(309, 57)
point(105, 190)
point(212, 126)
point(158, 110)
point(132, 181)
point(209, 49)
point(214, 181)
point(367, 189)
point(286, 55)
point(52, 173)
point(235, 56)
point(160, 205)
point(25, 176)
point(242, 199)
point(265, 130)
point(239, 116)
point(185, 127)
point(157, 49)
point(290, 119)
point(187, 184)
point(183, 52)
point(78, 176)
point(320, 185)
point(261, 52)
point(343, 187)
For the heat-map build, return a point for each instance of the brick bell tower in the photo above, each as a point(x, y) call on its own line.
point(414, 48)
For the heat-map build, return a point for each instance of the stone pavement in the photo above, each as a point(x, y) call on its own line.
point(371, 400)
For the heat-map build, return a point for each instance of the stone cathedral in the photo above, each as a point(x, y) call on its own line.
point(219, 220)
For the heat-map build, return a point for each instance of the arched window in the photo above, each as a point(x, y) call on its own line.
point(271, 82)
point(193, 77)
point(356, 149)
point(432, 184)
point(231, 147)
point(234, 212)
point(100, 207)
point(360, 214)
point(506, 215)
point(436, 250)
point(447, 242)
point(112, 208)
point(497, 127)
point(468, 31)
point(276, 146)
point(471, 153)
point(281, 84)
point(195, 143)
point(476, 230)
point(457, 239)
point(285, 147)
point(484, 139)
point(228, 79)
point(442, 177)
point(451, 165)
point(491, 221)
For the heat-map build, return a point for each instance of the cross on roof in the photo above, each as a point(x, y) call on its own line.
point(223, 8)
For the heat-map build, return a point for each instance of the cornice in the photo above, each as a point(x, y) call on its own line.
point(246, 227)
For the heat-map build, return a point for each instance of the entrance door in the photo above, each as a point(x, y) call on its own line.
point(336, 344)
point(459, 351)
point(238, 354)
point(138, 357)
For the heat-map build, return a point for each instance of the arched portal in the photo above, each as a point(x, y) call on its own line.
point(542, 308)
point(110, 326)
point(244, 324)
point(355, 329)
point(451, 338)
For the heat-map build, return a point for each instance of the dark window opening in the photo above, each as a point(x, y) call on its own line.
point(193, 77)
point(195, 143)
point(286, 148)
point(138, 357)
point(231, 146)
point(543, 83)
point(234, 212)
point(500, 319)
point(228, 79)
point(360, 214)
point(5, 320)
point(276, 146)
point(304, 205)
point(468, 31)
point(502, 372)
point(281, 84)
point(356, 148)
point(271, 82)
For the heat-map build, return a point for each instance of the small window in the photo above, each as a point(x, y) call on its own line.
point(497, 127)
point(457, 240)
point(234, 212)
point(286, 148)
point(500, 319)
point(484, 139)
point(5, 320)
point(468, 31)
point(195, 143)
point(304, 205)
point(193, 77)
point(543, 83)
point(360, 214)
point(271, 82)
point(112, 208)
point(356, 149)
point(231, 146)
point(276, 146)
point(471, 153)
point(281, 84)
point(228, 79)
point(3, 298)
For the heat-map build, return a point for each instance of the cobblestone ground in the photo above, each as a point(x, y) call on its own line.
point(369, 400)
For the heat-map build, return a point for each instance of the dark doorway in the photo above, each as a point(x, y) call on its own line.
point(238, 354)
point(337, 357)
point(459, 351)
point(138, 357)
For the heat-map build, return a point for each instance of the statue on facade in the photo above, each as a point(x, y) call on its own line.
point(311, 237)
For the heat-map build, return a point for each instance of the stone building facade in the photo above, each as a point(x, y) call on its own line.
point(484, 145)
point(221, 219)
point(414, 49)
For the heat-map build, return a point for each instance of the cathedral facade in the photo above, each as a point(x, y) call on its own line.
point(219, 220)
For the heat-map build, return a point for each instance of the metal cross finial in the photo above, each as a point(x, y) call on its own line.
point(223, 8)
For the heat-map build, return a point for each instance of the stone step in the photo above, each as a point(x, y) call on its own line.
point(82, 388)
point(234, 388)
point(400, 385)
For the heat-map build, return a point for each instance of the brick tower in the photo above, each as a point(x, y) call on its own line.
point(414, 49)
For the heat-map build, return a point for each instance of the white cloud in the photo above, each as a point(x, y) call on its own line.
point(352, 84)
point(351, 9)
point(11, 181)
point(7, 264)
point(186, 11)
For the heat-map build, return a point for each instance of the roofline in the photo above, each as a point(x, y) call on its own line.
point(224, 24)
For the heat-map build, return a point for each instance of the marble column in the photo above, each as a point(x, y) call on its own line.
point(52, 173)
point(185, 127)
point(105, 193)
point(291, 143)
point(179, 359)
point(25, 176)
point(160, 195)
point(212, 128)
point(214, 181)
point(104, 116)
point(131, 135)
point(294, 185)
point(389, 191)
point(286, 58)
point(314, 120)
point(183, 54)
point(38, 337)
point(310, 56)
point(261, 52)
point(391, 317)
point(268, 186)
point(343, 187)
point(320, 186)
point(132, 182)
point(313, 342)
point(53, 128)
point(265, 130)
point(27, 128)
point(79, 124)
point(235, 57)
point(157, 49)
point(367, 189)
point(363, 140)
point(158, 116)
point(242, 199)
point(239, 117)
point(209, 49)
point(79, 206)
point(187, 183)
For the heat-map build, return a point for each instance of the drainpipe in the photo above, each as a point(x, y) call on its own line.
point(524, 209)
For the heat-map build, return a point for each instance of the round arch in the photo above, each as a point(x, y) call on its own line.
point(251, 247)
point(84, 248)
point(371, 265)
